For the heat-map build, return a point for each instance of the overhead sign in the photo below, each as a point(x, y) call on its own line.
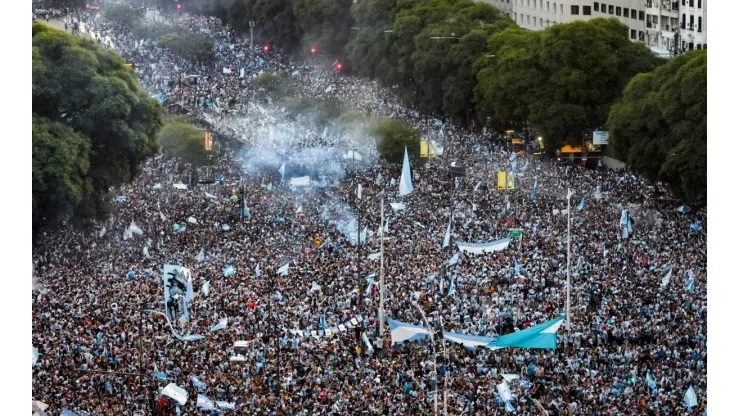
point(601, 137)
point(424, 148)
point(501, 180)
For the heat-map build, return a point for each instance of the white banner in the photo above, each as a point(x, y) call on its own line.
point(601, 137)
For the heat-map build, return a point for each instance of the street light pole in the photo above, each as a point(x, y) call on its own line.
point(381, 312)
point(251, 36)
point(567, 304)
point(434, 358)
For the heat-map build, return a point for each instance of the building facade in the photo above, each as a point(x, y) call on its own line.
point(668, 27)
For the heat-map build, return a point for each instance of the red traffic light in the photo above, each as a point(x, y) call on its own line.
point(313, 50)
point(178, 6)
point(339, 66)
point(267, 48)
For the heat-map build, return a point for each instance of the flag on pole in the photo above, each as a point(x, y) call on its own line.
point(446, 241)
point(453, 289)
point(282, 171)
point(454, 260)
point(228, 271)
point(405, 186)
point(534, 190)
point(257, 271)
point(189, 293)
point(283, 270)
point(206, 289)
point(359, 191)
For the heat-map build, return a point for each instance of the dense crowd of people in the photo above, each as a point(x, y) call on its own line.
point(93, 286)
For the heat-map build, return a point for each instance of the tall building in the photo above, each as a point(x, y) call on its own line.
point(666, 26)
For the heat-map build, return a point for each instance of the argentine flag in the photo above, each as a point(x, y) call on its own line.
point(283, 270)
point(221, 325)
point(282, 171)
point(370, 280)
point(405, 186)
point(454, 260)
point(446, 241)
point(228, 271)
point(226, 405)
point(534, 190)
point(581, 205)
point(453, 289)
point(650, 381)
point(690, 397)
point(206, 289)
point(204, 402)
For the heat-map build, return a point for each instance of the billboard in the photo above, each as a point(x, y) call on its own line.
point(601, 137)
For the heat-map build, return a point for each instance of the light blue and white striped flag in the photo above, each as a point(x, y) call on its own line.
point(204, 402)
point(581, 205)
point(650, 380)
point(370, 280)
point(228, 271)
point(220, 325)
point(226, 405)
point(453, 289)
point(534, 190)
point(257, 271)
point(283, 270)
point(206, 289)
point(690, 398)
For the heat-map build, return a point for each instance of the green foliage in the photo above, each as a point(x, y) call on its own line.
point(187, 142)
point(394, 135)
point(660, 125)
point(329, 110)
point(324, 24)
point(91, 115)
point(142, 30)
point(189, 46)
point(298, 105)
point(562, 80)
point(267, 81)
point(122, 14)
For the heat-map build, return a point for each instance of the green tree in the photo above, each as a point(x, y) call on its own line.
point(324, 24)
point(659, 127)
point(185, 141)
point(110, 124)
point(189, 46)
point(276, 24)
point(60, 166)
point(122, 14)
point(367, 48)
point(393, 136)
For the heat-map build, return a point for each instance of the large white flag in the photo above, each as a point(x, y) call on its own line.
point(405, 186)
point(446, 242)
point(282, 171)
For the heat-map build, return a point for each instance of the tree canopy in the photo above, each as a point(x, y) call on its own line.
point(185, 141)
point(393, 136)
point(93, 126)
point(659, 127)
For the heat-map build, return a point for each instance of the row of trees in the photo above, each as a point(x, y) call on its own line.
point(467, 61)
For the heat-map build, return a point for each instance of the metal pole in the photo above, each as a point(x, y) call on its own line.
point(567, 304)
point(434, 357)
point(381, 324)
point(251, 36)
point(141, 351)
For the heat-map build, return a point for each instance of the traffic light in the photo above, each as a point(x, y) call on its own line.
point(313, 50)
point(339, 67)
point(266, 48)
point(178, 6)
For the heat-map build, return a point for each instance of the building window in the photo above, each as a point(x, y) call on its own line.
point(683, 21)
point(683, 3)
point(541, 23)
point(691, 46)
point(642, 16)
point(548, 6)
point(699, 28)
point(528, 5)
point(633, 34)
point(587, 10)
point(603, 8)
point(633, 14)
point(541, 5)
point(640, 35)
point(554, 7)
point(561, 9)
point(611, 9)
point(626, 12)
point(698, 4)
point(528, 23)
point(574, 10)
point(515, 16)
point(698, 46)
point(596, 6)
point(691, 22)
point(691, 3)
point(619, 11)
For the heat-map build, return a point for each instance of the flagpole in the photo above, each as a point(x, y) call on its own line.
point(381, 313)
point(567, 302)
point(434, 358)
